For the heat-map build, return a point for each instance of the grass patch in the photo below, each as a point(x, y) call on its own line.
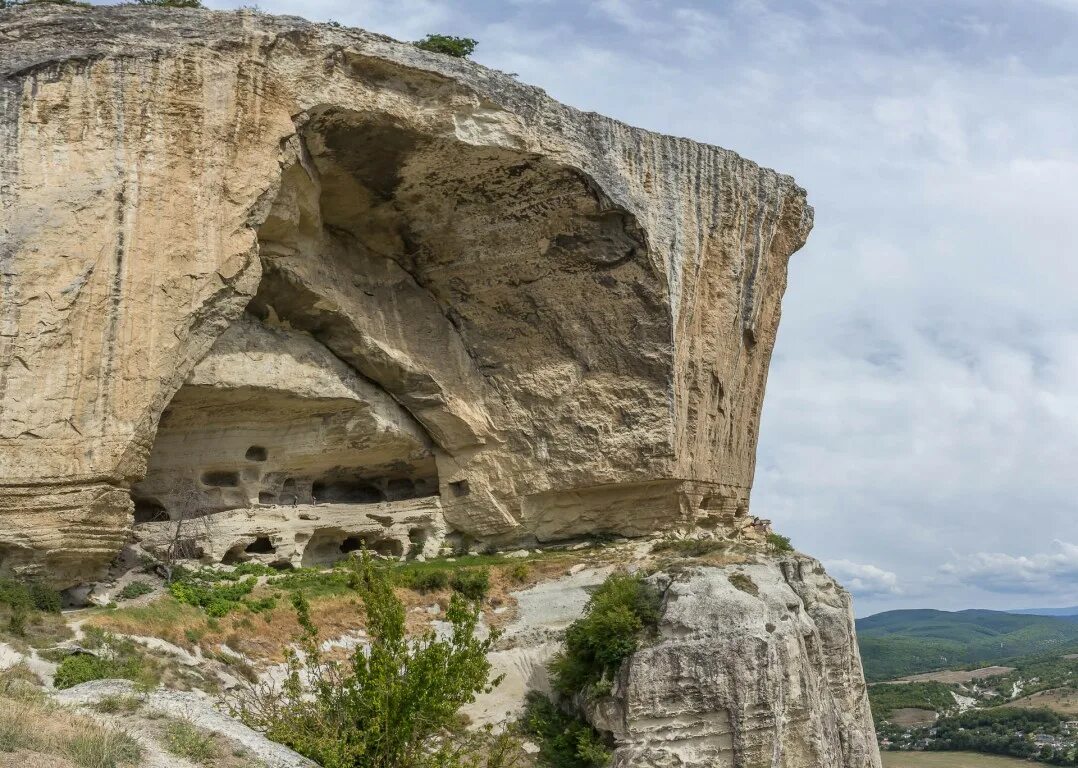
point(184, 740)
point(744, 583)
point(689, 547)
point(113, 705)
point(37, 725)
point(134, 589)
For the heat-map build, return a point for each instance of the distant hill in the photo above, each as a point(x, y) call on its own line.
point(1072, 611)
point(899, 643)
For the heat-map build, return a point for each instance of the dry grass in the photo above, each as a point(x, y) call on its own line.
point(263, 637)
point(1061, 700)
point(912, 717)
point(948, 760)
point(39, 730)
point(957, 676)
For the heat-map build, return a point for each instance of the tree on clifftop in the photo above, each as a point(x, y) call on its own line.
point(460, 47)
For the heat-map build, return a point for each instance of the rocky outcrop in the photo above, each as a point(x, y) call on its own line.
point(755, 664)
point(249, 261)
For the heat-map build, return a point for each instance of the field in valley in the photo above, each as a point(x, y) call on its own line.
point(1061, 700)
point(948, 760)
point(956, 676)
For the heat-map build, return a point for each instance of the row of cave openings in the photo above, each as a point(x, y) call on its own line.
point(321, 547)
point(283, 490)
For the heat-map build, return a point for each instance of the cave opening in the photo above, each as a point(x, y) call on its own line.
point(346, 492)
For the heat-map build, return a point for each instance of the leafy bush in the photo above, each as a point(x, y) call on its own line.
point(83, 667)
point(134, 589)
point(390, 705)
point(23, 599)
point(564, 741)
point(460, 47)
point(615, 620)
point(216, 599)
point(520, 572)
point(423, 581)
point(472, 583)
point(779, 543)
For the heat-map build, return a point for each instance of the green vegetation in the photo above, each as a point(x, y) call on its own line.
point(83, 667)
point(459, 47)
point(171, 3)
point(689, 547)
point(885, 698)
point(899, 643)
point(214, 591)
point(388, 706)
point(134, 589)
point(779, 543)
point(999, 731)
point(30, 721)
point(115, 704)
point(617, 617)
point(564, 741)
point(184, 740)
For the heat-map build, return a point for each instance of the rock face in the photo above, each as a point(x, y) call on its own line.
point(249, 261)
point(756, 664)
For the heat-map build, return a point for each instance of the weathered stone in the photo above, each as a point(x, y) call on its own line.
point(755, 664)
point(564, 322)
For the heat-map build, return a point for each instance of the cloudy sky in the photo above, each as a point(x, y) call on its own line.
point(920, 432)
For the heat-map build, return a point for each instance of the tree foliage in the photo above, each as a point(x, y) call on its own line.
point(615, 620)
point(460, 47)
point(392, 705)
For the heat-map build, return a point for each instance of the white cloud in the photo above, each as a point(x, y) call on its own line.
point(864, 580)
point(1055, 572)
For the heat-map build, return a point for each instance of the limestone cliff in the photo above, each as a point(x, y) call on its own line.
point(250, 262)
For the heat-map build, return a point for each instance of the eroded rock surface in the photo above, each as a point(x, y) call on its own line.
point(249, 261)
point(756, 664)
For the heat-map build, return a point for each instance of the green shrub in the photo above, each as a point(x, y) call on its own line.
point(23, 599)
point(423, 580)
point(389, 705)
point(83, 667)
point(134, 589)
point(460, 47)
point(217, 599)
point(564, 741)
point(779, 543)
point(473, 583)
point(520, 572)
point(620, 613)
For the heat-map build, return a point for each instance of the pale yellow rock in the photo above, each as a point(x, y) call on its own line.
point(569, 318)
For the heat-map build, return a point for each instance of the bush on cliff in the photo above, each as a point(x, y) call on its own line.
point(459, 47)
point(617, 617)
point(392, 705)
point(564, 741)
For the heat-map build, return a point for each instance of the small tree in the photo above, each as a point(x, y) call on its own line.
point(460, 47)
point(393, 704)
